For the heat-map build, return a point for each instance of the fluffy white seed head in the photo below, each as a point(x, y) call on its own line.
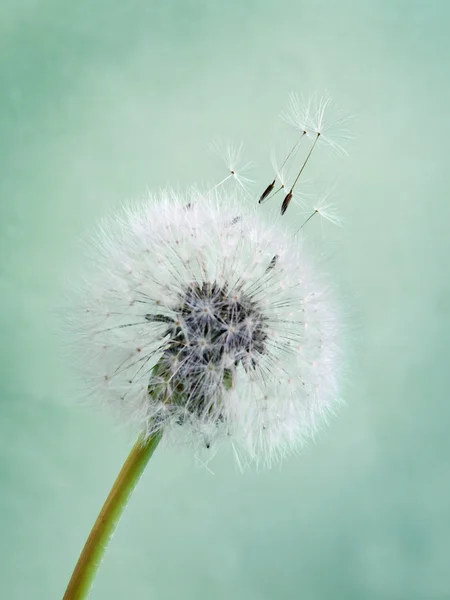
point(198, 315)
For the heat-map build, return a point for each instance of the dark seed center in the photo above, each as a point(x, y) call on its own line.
point(211, 325)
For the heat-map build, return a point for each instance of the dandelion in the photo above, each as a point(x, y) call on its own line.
point(200, 317)
point(185, 323)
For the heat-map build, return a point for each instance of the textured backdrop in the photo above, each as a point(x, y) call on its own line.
point(100, 100)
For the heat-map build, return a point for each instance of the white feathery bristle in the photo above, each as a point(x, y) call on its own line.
point(326, 209)
point(316, 115)
point(231, 156)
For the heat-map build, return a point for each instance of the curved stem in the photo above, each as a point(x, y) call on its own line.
point(106, 523)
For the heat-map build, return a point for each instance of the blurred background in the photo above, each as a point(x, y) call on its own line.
point(102, 100)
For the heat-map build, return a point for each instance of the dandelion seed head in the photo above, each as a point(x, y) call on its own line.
point(196, 314)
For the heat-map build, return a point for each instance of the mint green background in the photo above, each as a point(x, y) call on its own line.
point(100, 100)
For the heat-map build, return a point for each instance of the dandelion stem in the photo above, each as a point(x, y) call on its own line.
point(106, 523)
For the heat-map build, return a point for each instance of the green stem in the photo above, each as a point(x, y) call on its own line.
point(106, 523)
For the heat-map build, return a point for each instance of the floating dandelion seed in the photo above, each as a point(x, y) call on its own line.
point(198, 315)
point(268, 192)
point(325, 209)
point(281, 176)
point(312, 119)
point(232, 157)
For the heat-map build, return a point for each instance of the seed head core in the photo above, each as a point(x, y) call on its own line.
point(214, 332)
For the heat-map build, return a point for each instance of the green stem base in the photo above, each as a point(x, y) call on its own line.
point(106, 523)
